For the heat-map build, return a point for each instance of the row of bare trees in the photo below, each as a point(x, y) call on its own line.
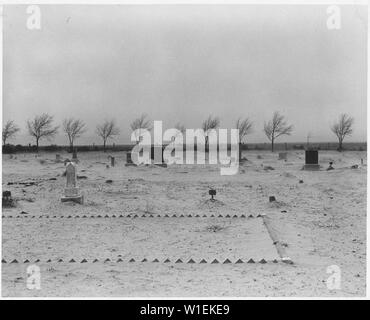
point(42, 127)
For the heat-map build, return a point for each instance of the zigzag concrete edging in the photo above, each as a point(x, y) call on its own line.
point(144, 260)
point(273, 235)
point(129, 216)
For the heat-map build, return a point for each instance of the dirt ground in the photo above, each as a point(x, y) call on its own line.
point(320, 221)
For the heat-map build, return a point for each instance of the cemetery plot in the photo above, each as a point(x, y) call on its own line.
point(160, 238)
point(319, 217)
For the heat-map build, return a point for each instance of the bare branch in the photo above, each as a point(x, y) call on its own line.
point(9, 130)
point(42, 127)
point(342, 128)
point(210, 124)
point(74, 129)
point(276, 128)
point(141, 123)
point(107, 130)
point(245, 128)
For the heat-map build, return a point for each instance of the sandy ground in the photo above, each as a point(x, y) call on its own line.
point(320, 222)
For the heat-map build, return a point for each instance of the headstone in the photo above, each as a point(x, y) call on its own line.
point(7, 200)
point(129, 156)
point(212, 193)
point(57, 157)
point(156, 154)
point(112, 161)
point(283, 155)
point(312, 160)
point(71, 191)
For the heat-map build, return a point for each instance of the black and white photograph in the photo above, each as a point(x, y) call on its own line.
point(165, 151)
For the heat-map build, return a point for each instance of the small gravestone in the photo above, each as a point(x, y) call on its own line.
point(129, 156)
point(57, 158)
point(156, 154)
point(112, 161)
point(272, 199)
point(283, 155)
point(312, 160)
point(212, 193)
point(71, 191)
point(7, 200)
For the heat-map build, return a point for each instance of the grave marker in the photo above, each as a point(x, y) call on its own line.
point(312, 160)
point(71, 191)
point(212, 193)
point(129, 156)
point(156, 154)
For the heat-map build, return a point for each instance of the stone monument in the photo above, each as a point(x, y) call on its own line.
point(129, 156)
point(312, 160)
point(71, 191)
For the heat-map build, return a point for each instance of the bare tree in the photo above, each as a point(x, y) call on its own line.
point(41, 127)
point(208, 125)
point(342, 128)
point(9, 130)
point(245, 128)
point(141, 123)
point(73, 128)
point(276, 128)
point(181, 128)
point(107, 130)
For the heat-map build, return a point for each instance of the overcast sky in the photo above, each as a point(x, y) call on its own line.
point(182, 63)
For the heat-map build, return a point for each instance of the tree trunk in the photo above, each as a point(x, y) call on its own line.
point(104, 146)
point(206, 147)
point(340, 148)
point(240, 151)
point(272, 145)
point(71, 147)
point(37, 145)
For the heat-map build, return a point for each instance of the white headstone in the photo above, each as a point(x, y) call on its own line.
point(71, 191)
